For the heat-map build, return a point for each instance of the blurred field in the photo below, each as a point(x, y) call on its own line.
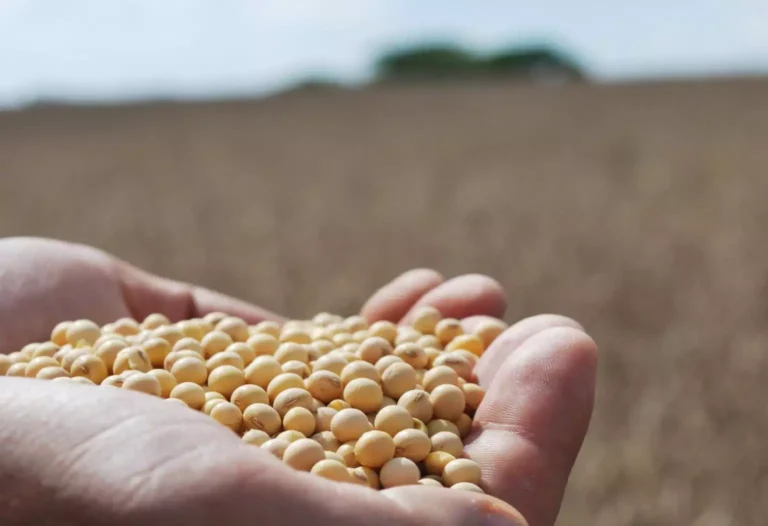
point(639, 210)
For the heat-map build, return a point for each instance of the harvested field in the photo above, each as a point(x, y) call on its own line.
point(638, 210)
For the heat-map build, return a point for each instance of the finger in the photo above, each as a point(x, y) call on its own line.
point(506, 344)
point(394, 299)
point(441, 507)
point(146, 293)
point(532, 422)
point(143, 461)
point(463, 296)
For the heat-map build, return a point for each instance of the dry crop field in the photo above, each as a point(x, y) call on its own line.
point(639, 210)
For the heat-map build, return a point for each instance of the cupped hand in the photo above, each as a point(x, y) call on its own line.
point(74, 454)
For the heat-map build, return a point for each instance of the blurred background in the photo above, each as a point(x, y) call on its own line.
point(603, 160)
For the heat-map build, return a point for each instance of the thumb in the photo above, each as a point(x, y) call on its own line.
point(445, 506)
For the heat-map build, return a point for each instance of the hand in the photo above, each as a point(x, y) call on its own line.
point(74, 454)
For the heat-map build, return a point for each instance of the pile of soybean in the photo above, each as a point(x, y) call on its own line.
point(378, 405)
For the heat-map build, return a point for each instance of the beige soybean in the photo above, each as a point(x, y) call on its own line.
point(359, 369)
point(262, 370)
point(364, 394)
point(291, 436)
point(467, 342)
point(436, 426)
point(225, 380)
point(473, 394)
point(435, 462)
point(439, 375)
point(425, 319)
point(38, 364)
point(126, 327)
point(372, 349)
point(243, 350)
point(155, 320)
point(331, 455)
point(190, 370)
point(17, 369)
point(407, 335)
point(327, 440)
point(447, 329)
point(447, 401)
point(463, 366)
point(190, 393)
point(489, 330)
point(263, 344)
point(143, 383)
point(397, 379)
point(393, 419)
point(213, 395)
point(188, 344)
point(300, 419)
point(82, 331)
point(51, 373)
point(412, 354)
point(132, 358)
point(462, 470)
point(210, 404)
point(429, 341)
point(5, 364)
point(374, 449)
point(399, 472)
point(45, 349)
point(290, 398)
point(332, 361)
point(347, 452)
point(331, 470)
point(59, 333)
point(175, 356)
point(303, 454)
point(350, 424)
point(292, 351)
point(296, 367)
point(191, 329)
point(169, 333)
point(256, 437)
point(90, 366)
point(283, 382)
point(236, 328)
point(338, 405)
point(157, 349)
point(324, 417)
point(326, 386)
point(427, 481)
point(224, 358)
point(418, 404)
point(432, 355)
point(229, 415)
point(215, 342)
point(276, 447)
point(447, 442)
point(464, 425)
point(412, 444)
point(262, 417)
point(384, 329)
point(248, 394)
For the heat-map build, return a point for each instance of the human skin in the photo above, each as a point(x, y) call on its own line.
point(75, 454)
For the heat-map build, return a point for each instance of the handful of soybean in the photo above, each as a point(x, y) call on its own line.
point(378, 405)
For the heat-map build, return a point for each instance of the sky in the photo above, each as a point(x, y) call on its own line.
point(110, 50)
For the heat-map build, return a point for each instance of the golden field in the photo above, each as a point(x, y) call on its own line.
point(639, 210)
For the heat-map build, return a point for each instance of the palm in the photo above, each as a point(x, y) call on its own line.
point(539, 376)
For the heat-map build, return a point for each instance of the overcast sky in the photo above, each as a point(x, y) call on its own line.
point(127, 49)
